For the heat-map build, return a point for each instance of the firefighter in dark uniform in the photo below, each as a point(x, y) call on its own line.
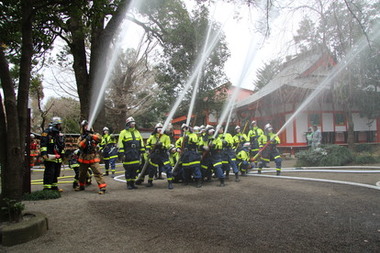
point(157, 147)
point(52, 151)
point(242, 158)
point(252, 136)
point(228, 154)
point(214, 147)
point(109, 151)
point(131, 146)
point(270, 152)
point(191, 158)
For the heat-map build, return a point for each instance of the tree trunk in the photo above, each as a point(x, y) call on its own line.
point(78, 50)
point(12, 167)
point(15, 116)
point(350, 129)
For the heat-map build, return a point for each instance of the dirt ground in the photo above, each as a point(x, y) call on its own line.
point(258, 214)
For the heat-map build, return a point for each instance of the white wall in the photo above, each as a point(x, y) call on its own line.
point(361, 124)
point(301, 125)
point(289, 130)
point(328, 122)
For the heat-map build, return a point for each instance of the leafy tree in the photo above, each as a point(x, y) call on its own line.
point(66, 108)
point(182, 36)
point(266, 73)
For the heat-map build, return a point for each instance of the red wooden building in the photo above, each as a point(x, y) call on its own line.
point(279, 99)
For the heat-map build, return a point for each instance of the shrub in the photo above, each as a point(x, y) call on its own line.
point(364, 148)
point(366, 158)
point(13, 210)
point(329, 155)
point(42, 195)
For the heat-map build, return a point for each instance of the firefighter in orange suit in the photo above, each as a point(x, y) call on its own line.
point(89, 157)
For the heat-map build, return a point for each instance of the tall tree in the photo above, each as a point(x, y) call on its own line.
point(23, 38)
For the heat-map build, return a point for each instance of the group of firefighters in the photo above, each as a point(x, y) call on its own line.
point(200, 154)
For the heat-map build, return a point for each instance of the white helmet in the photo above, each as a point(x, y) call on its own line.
point(246, 145)
point(159, 125)
point(129, 120)
point(253, 122)
point(209, 126)
point(268, 126)
point(76, 151)
point(84, 123)
point(32, 136)
point(237, 127)
point(196, 129)
point(184, 126)
point(56, 121)
point(105, 129)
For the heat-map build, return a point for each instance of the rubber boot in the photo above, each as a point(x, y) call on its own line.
point(102, 191)
point(243, 174)
point(133, 185)
point(129, 186)
point(113, 175)
point(227, 174)
point(79, 188)
point(259, 171)
point(237, 177)
point(150, 183)
point(278, 172)
point(106, 174)
point(221, 182)
point(199, 182)
point(170, 185)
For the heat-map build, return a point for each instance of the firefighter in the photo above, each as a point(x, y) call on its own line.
point(74, 165)
point(157, 147)
point(242, 158)
point(191, 159)
point(252, 136)
point(109, 151)
point(89, 158)
point(268, 143)
point(228, 154)
point(52, 151)
point(131, 146)
point(213, 147)
point(34, 150)
point(239, 139)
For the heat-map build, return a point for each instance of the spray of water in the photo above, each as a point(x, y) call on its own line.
point(196, 73)
point(196, 86)
point(356, 50)
point(102, 82)
point(247, 65)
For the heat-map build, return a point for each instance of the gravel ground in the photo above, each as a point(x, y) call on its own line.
point(255, 215)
